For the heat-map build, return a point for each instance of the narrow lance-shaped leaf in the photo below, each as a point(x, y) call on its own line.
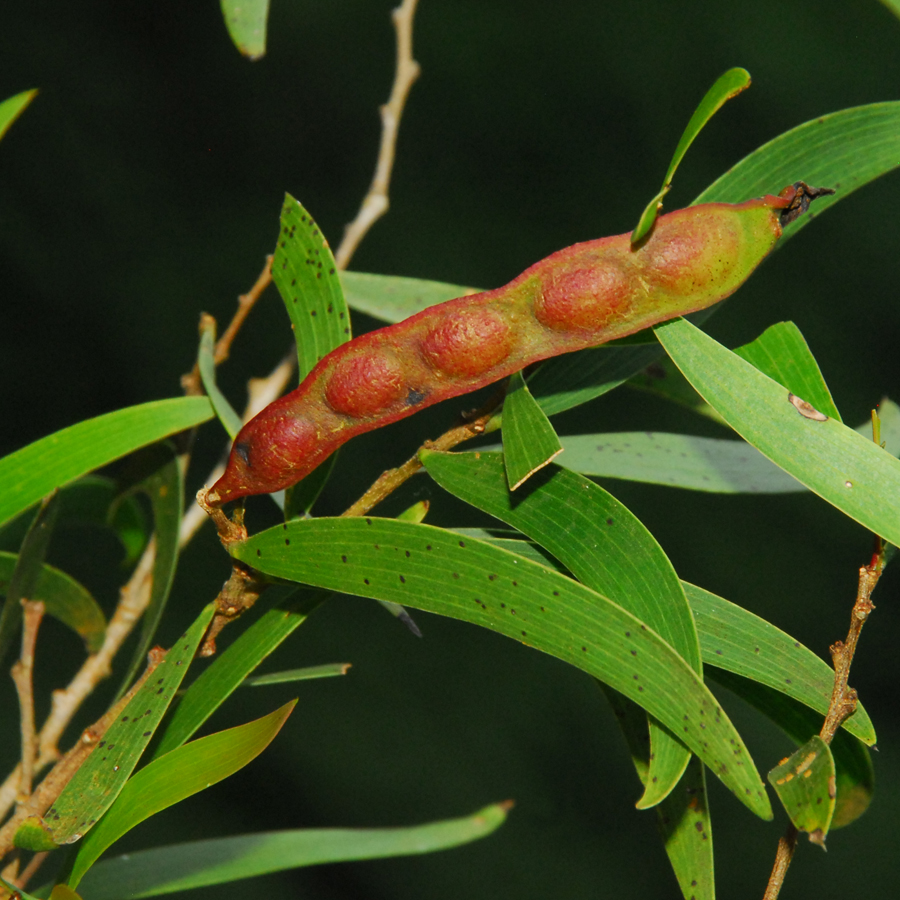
point(35, 470)
point(176, 776)
point(781, 352)
point(328, 670)
point(393, 298)
point(529, 441)
point(13, 107)
point(841, 466)
point(246, 23)
point(157, 472)
point(195, 864)
point(805, 785)
point(64, 598)
point(849, 148)
point(206, 363)
point(27, 571)
point(230, 667)
point(728, 85)
point(429, 568)
point(101, 778)
point(604, 545)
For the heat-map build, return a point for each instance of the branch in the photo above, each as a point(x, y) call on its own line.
point(375, 203)
point(22, 675)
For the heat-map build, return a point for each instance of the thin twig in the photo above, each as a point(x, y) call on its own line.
point(51, 787)
point(375, 203)
point(22, 675)
point(843, 698)
point(391, 479)
point(191, 382)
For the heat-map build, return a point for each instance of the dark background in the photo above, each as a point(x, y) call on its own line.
point(144, 185)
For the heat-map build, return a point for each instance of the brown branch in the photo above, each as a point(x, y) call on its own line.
point(375, 203)
point(60, 775)
point(843, 697)
point(390, 480)
point(22, 675)
point(191, 383)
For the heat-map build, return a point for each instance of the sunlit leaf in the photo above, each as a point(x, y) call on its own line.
point(181, 867)
point(604, 545)
point(329, 670)
point(805, 784)
point(429, 568)
point(529, 441)
point(36, 470)
point(246, 23)
point(841, 466)
point(393, 298)
point(13, 107)
point(728, 85)
point(231, 666)
point(230, 420)
point(677, 460)
point(177, 775)
point(781, 352)
point(101, 778)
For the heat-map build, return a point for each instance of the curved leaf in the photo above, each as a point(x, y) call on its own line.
point(35, 470)
point(230, 668)
point(393, 298)
point(604, 545)
point(13, 107)
point(177, 775)
point(181, 867)
point(677, 460)
point(64, 598)
point(246, 24)
point(529, 441)
point(429, 568)
point(98, 782)
point(206, 363)
point(781, 352)
point(727, 85)
point(841, 466)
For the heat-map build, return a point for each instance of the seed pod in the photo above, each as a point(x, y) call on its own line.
point(579, 297)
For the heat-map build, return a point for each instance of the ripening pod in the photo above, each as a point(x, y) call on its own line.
point(579, 297)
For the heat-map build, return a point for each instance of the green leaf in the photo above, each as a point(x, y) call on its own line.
point(13, 107)
point(181, 867)
point(174, 777)
point(299, 498)
point(893, 6)
point(841, 466)
point(325, 671)
point(157, 472)
point(231, 667)
point(677, 460)
point(393, 298)
point(604, 545)
point(529, 441)
point(429, 568)
point(734, 639)
point(27, 571)
point(17, 893)
point(207, 365)
point(98, 782)
point(852, 761)
point(246, 24)
point(64, 599)
point(889, 416)
point(781, 352)
point(846, 149)
point(663, 379)
point(306, 276)
point(805, 784)
point(35, 470)
point(728, 85)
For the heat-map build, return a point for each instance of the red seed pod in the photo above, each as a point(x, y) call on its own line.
point(579, 297)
